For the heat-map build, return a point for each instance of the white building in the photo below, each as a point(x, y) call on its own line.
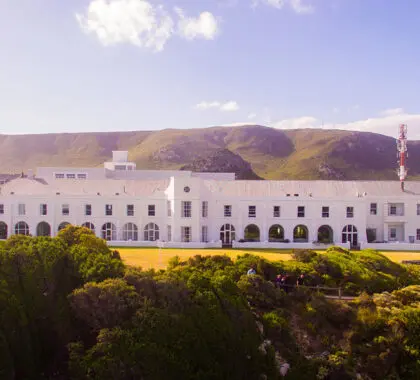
point(184, 209)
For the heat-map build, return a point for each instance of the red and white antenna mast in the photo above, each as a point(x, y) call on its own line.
point(402, 153)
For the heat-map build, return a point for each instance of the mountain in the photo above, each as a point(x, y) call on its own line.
point(252, 152)
point(223, 161)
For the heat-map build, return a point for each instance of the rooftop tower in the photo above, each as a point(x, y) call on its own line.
point(402, 153)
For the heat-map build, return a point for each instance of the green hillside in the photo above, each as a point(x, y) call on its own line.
point(255, 151)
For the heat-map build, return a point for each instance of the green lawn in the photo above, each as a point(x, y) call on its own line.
point(154, 258)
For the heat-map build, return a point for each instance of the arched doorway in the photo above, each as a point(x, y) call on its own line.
point(21, 228)
point(151, 232)
point(43, 229)
point(3, 230)
point(300, 234)
point(130, 232)
point(227, 234)
point(89, 225)
point(252, 233)
point(63, 225)
point(350, 235)
point(325, 234)
point(109, 232)
point(276, 233)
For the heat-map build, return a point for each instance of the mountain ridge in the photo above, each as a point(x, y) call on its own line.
point(251, 151)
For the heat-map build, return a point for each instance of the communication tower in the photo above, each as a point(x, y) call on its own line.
point(402, 153)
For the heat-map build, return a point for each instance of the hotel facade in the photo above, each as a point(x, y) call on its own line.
point(130, 207)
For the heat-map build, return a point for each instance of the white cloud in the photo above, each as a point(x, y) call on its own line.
point(142, 24)
point(252, 116)
point(127, 21)
point(296, 123)
point(297, 5)
point(228, 106)
point(392, 111)
point(386, 125)
point(204, 26)
point(237, 124)
point(207, 105)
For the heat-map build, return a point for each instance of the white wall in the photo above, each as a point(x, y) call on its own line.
point(267, 245)
point(392, 246)
point(216, 200)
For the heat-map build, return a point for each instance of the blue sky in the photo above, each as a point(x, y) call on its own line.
point(113, 65)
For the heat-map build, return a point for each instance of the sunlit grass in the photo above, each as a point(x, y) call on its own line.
point(154, 258)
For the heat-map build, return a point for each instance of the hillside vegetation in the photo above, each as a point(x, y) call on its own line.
point(250, 151)
point(70, 309)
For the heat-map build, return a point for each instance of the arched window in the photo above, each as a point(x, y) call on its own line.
point(3, 230)
point(349, 235)
point(252, 233)
point(300, 234)
point(325, 234)
point(227, 234)
point(43, 229)
point(89, 225)
point(151, 232)
point(130, 232)
point(21, 228)
point(109, 232)
point(63, 225)
point(276, 233)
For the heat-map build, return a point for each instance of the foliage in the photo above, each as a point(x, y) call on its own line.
point(69, 308)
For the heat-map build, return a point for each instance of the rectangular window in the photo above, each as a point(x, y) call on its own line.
point(205, 209)
point(21, 209)
point(186, 209)
point(65, 209)
point(88, 210)
point(392, 210)
point(418, 234)
point(71, 176)
point(151, 210)
point(169, 229)
point(82, 176)
point(1, 208)
point(186, 234)
point(169, 208)
point(418, 208)
point(130, 210)
point(350, 212)
point(108, 210)
point(59, 175)
point(252, 211)
point(373, 208)
point(301, 211)
point(204, 234)
point(276, 211)
point(325, 212)
point(43, 209)
point(227, 211)
point(392, 233)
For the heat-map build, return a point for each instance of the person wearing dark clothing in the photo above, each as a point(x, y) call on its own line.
point(277, 281)
point(300, 281)
point(285, 283)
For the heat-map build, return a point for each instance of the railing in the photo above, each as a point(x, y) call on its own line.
point(338, 291)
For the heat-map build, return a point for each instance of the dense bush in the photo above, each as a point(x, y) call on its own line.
point(69, 308)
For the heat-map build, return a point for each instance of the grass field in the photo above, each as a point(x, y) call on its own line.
point(154, 258)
